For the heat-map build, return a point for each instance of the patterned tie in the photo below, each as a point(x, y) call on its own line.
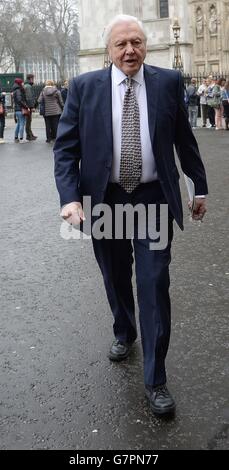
point(131, 155)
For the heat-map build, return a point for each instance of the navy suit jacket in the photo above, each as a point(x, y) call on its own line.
point(84, 144)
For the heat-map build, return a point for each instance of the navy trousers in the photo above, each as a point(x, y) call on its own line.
point(115, 259)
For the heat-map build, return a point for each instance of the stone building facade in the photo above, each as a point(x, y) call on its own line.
point(204, 36)
point(210, 28)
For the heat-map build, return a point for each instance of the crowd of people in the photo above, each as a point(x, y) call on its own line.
point(50, 101)
point(213, 97)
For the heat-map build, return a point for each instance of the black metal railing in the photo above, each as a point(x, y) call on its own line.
point(200, 76)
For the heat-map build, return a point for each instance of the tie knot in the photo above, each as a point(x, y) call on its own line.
point(129, 82)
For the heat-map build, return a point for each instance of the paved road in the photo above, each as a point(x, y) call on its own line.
point(58, 390)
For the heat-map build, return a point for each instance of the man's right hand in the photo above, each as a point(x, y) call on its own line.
point(73, 213)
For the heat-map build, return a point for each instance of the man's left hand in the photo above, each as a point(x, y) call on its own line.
point(199, 208)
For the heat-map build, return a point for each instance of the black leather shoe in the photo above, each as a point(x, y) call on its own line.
point(119, 351)
point(161, 401)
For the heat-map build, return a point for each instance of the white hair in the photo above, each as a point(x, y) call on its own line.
point(121, 19)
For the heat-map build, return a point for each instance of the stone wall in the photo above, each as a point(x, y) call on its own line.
point(204, 39)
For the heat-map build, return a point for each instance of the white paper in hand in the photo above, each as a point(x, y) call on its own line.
point(191, 191)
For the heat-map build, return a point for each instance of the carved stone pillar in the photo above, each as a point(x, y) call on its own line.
point(199, 31)
point(209, 36)
point(213, 29)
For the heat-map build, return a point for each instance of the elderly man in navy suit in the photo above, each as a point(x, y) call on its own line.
point(115, 144)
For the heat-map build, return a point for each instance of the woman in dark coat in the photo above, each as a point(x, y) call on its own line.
point(20, 107)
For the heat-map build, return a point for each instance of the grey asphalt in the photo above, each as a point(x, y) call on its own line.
point(58, 389)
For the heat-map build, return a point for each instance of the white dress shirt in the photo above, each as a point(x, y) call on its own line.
point(149, 172)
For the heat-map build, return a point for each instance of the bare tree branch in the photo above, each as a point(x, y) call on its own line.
point(47, 29)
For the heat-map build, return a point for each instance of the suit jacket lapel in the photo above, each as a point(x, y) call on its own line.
point(105, 103)
point(152, 88)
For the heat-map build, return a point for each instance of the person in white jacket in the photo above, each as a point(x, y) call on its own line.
point(203, 102)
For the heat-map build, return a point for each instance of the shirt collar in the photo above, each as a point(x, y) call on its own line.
point(118, 76)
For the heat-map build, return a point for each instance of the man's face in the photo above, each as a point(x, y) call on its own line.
point(127, 47)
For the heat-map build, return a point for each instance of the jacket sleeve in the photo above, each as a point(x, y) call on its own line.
point(29, 96)
point(67, 148)
point(40, 97)
point(20, 99)
point(216, 91)
point(60, 99)
point(187, 147)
